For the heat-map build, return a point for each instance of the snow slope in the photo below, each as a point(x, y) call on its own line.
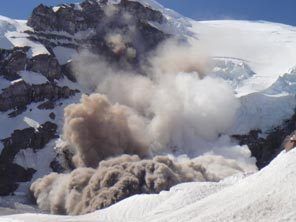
point(256, 59)
point(12, 34)
point(268, 195)
point(268, 48)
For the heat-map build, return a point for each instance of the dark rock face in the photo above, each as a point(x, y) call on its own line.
point(67, 71)
point(10, 173)
point(89, 14)
point(47, 65)
point(47, 105)
point(13, 61)
point(17, 111)
point(121, 33)
point(56, 166)
point(266, 149)
point(127, 21)
point(27, 138)
point(21, 94)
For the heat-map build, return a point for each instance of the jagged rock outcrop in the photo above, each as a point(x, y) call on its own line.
point(21, 94)
point(267, 148)
point(68, 72)
point(16, 60)
point(10, 173)
point(47, 65)
point(12, 61)
point(121, 32)
point(73, 18)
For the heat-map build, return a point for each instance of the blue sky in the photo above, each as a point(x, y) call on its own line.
point(283, 11)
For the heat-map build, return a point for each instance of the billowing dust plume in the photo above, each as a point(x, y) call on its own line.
point(173, 108)
point(86, 189)
point(176, 105)
point(99, 130)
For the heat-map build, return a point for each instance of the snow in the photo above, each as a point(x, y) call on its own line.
point(234, 71)
point(26, 158)
point(273, 43)
point(39, 160)
point(64, 54)
point(33, 78)
point(32, 123)
point(12, 34)
point(268, 195)
point(285, 84)
point(16, 81)
point(256, 59)
point(175, 24)
point(77, 6)
point(6, 24)
point(262, 111)
point(3, 83)
point(72, 85)
point(56, 8)
point(20, 39)
point(8, 125)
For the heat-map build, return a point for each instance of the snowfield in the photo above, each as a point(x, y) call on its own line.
point(12, 35)
point(268, 195)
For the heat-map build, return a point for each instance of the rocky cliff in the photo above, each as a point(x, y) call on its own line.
point(39, 83)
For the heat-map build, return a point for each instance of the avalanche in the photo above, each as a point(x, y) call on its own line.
point(256, 60)
point(268, 195)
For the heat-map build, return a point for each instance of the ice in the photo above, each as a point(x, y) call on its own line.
point(32, 123)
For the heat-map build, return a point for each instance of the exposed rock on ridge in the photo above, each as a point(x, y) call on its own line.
point(12, 174)
point(92, 25)
point(122, 33)
point(21, 94)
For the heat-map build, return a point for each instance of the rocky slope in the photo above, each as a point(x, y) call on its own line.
point(40, 82)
